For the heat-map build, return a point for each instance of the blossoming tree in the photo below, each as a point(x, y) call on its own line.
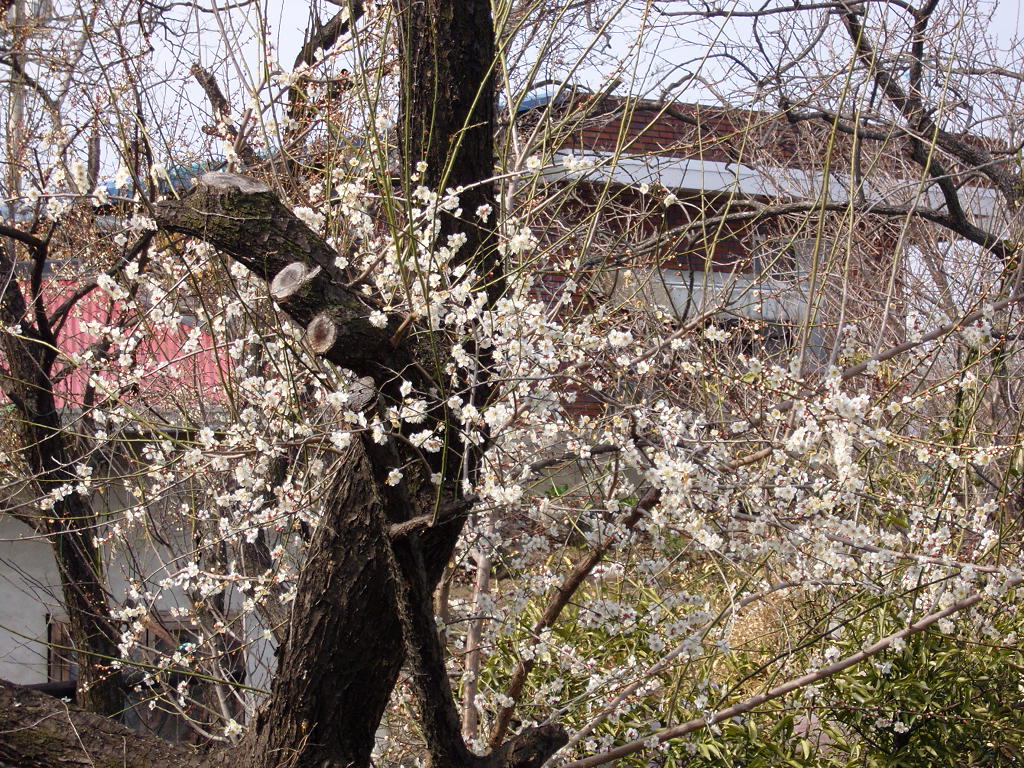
point(313, 403)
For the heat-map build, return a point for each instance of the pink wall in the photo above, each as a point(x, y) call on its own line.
point(179, 368)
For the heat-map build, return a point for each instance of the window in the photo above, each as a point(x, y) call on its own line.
point(782, 258)
point(61, 666)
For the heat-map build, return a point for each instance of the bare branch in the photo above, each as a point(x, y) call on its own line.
point(222, 111)
point(909, 105)
point(557, 601)
point(325, 37)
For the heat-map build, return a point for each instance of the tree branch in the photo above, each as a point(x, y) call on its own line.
point(39, 731)
point(222, 111)
point(246, 220)
point(44, 445)
point(33, 242)
point(557, 601)
point(325, 37)
point(909, 105)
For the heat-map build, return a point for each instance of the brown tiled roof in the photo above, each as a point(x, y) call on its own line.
point(638, 127)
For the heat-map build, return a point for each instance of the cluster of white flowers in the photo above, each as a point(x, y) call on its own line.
point(310, 218)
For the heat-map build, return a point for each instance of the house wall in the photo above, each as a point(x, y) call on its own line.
point(803, 274)
point(30, 592)
point(29, 586)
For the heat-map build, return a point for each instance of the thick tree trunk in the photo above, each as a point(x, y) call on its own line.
point(363, 603)
point(99, 686)
point(344, 647)
point(39, 731)
point(448, 116)
point(344, 650)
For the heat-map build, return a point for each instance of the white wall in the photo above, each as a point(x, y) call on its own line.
point(29, 589)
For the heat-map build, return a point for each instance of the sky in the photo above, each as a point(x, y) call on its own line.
point(290, 16)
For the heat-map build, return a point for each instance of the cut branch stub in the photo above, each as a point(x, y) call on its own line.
point(290, 280)
point(361, 393)
point(244, 218)
point(321, 333)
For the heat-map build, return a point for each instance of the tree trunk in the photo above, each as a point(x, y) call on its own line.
point(343, 652)
point(447, 116)
point(363, 600)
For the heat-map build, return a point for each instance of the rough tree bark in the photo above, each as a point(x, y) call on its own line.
point(364, 603)
point(344, 646)
point(40, 731)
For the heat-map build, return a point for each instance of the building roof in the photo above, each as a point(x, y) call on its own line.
point(700, 149)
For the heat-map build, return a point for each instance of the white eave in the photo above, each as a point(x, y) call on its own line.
point(694, 175)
